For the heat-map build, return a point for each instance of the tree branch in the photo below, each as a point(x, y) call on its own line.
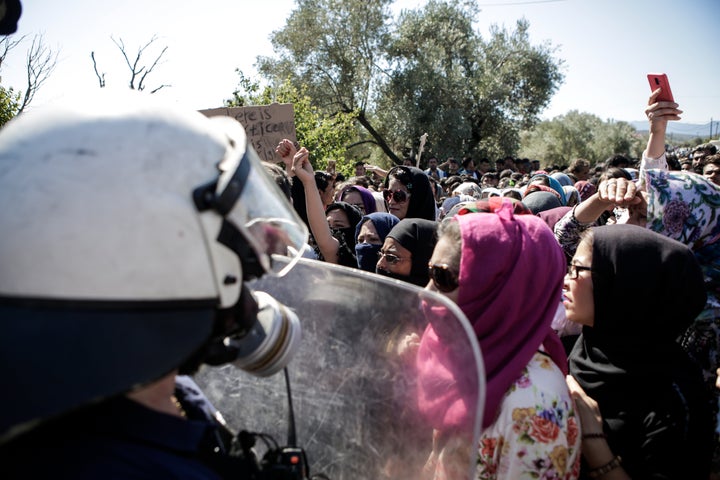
point(101, 78)
point(158, 88)
point(141, 84)
point(41, 61)
point(7, 44)
point(361, 142)
point(139, 73)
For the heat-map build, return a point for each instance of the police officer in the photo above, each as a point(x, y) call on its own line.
point(129, 230)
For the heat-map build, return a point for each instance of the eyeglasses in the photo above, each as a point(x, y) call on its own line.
point(574, 270)
point(399, 196)
point(443, 278)
point(390, 258)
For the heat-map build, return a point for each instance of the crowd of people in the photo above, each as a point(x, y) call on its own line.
point(593, 293)
point(634, 322)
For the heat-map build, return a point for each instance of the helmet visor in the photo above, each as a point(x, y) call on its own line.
point(249, 198)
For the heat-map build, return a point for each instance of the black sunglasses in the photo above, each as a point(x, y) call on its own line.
point(443, 278)
point(398, 195)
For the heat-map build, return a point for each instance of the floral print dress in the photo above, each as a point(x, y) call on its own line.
point(536, 432)
point(535, 435)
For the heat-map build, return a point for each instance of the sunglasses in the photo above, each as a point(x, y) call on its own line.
point(389, 257)
point(444, 279)
point(399, 196)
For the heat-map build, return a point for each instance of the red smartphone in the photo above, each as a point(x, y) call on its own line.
point(660, 80)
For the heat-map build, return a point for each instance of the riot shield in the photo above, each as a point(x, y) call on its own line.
point(384, 368)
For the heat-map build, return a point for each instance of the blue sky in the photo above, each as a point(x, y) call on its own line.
point(608, 47)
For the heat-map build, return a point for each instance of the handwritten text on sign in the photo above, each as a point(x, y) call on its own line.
point(265, 125)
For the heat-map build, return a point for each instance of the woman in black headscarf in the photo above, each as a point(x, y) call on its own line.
point(407, 251)
point(408, 193)
point(643, 408)
point(342, 219)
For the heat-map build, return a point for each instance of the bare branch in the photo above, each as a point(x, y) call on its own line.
point(161, 86)
point(101, 78)
point(7, 44)
point(121, 46)
point(141, 84)
point(137, 70)
point(41, 61)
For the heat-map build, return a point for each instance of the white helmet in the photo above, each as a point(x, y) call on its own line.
point(128, 230)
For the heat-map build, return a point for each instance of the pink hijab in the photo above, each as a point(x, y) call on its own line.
point(511, 277)
point(585, 189)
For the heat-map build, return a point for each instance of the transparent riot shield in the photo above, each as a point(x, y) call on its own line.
point(384, 370)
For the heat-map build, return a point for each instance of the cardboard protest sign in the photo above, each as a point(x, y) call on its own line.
point(265, 125)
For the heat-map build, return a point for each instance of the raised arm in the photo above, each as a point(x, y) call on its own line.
point(376, 170)
point(612, 192)
point(287, 150)
point(327, 244)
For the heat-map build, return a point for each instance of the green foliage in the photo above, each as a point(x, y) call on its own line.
point(9, 104)
point(430, 72)
point(246, 91)
point(471, 95)
point(335, 48)
point(325, 136)
point(579, 135)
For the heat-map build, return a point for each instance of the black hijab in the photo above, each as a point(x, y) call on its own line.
point(419, 237)
point(346, 253)
point(422, 202)
point(647, 290)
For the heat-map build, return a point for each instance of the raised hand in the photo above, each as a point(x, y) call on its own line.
point(286, 149)
point(659, 113)
point(301, 166)
point(619, 191)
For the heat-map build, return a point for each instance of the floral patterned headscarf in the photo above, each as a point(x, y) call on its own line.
point(685, 206)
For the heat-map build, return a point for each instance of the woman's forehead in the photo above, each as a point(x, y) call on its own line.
point(338, 214)
point(352, 195)
point(392, 245)
point(396, 184)
point(368, 227)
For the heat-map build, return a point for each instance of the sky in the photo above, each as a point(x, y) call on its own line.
point(607, 46)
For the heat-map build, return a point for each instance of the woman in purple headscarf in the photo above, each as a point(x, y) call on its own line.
point(359, 197)
point(505, 272)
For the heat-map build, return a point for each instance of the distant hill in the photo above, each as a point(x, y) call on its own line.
point(682, 131)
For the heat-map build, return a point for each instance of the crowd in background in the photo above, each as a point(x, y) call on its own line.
point(593, 292)
point(640, 343)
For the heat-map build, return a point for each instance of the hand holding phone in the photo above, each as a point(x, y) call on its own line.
point(660, 80)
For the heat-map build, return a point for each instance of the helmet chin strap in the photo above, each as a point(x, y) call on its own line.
point(258, 334)
point(231, 237)
point(233, 322)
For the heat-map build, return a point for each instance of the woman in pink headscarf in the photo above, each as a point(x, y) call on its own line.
point(505, 272)
point(585, 189)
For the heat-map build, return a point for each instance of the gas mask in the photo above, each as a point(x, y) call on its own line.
point(256, 333)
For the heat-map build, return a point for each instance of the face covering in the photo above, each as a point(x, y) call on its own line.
point(418, 280)
point(347, 234)
point(367, 256)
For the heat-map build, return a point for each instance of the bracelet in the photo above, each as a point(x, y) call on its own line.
point(586, 436)
point(608, 467)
